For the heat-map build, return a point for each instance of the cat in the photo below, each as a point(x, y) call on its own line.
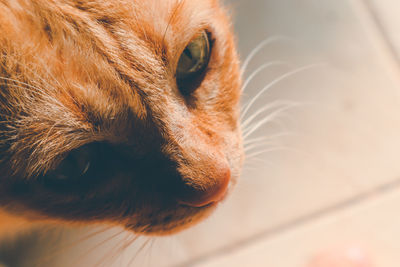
point(122, 112)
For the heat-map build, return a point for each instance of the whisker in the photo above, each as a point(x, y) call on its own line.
point(278, 148)
point(263, 138)
point(64, 247)
point(274, 82)
point(260, 46)
point(102, 242)
point(251, 129)
point(281, 104)
point(258, 145)
point(261, 68)
point(138, 251)
point(132, 239)
point(253, 164)
point(130, 242)
point(283, 148)
point(149, 255)
point(117, 250)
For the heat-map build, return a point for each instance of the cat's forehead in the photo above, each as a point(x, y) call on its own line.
point(163, 12)
point(177, 13)
point(165, 18)
point(156, 26)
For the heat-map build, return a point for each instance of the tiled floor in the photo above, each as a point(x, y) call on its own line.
point(370, 223)
point(336, 178)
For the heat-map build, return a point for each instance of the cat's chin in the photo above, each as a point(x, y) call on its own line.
point(172, 223)
point(177, 217)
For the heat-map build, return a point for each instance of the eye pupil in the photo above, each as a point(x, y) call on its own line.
point(75, 165)
point(188, 53)
point(192, 63)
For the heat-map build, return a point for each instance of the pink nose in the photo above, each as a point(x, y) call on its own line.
point(209, 193)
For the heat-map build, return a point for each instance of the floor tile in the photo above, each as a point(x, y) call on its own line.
point(372, 225)
point(386, 15)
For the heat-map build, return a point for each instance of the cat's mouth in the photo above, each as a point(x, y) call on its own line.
point(188, 210)
point(170, 220)
point(101, 181)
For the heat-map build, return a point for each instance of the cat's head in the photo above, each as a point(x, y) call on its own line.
point(122, 111)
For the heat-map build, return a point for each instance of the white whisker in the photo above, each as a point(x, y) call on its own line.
point(281, 104)
point(265, 138)
point(257, 153)
point(258, 145)
point(104, 241)
point(260, 46)
point(274, 82)
point(261, 68)
point(254, 163)
point(251, 129)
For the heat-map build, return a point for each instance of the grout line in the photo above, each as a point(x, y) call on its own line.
point(371, 21)
point(297, 222)
point(369, 7)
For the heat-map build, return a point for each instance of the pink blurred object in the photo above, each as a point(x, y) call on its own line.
point(353, 256)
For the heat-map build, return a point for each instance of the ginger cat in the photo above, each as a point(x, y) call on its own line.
point(123, 112)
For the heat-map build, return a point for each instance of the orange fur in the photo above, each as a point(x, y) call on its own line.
point(77, 72)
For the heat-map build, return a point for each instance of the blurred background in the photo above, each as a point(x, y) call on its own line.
point(323, 172)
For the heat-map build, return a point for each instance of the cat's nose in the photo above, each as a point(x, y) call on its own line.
point(209, 193)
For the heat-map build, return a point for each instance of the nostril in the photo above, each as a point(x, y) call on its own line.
point(211, 193)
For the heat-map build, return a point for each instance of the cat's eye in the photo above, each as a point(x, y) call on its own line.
point(75, 165)
point(87, 162)
point(192, 63)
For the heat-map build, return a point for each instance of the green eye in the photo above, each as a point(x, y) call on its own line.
point(192, 63)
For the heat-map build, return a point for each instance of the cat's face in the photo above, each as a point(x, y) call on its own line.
point(122, 111)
